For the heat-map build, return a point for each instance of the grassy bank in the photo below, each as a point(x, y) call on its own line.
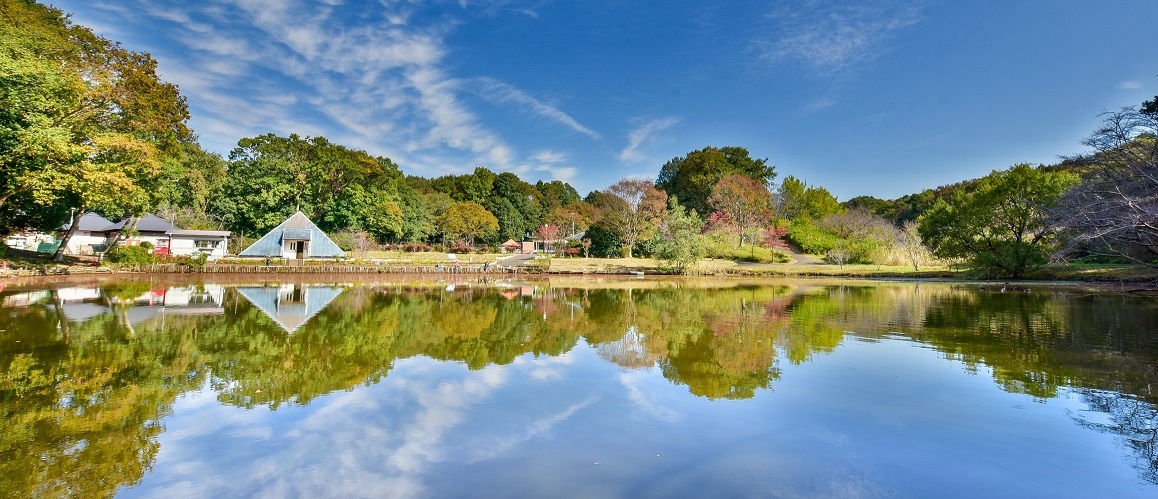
point(27, 263)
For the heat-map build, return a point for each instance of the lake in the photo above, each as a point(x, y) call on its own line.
point(576, 388)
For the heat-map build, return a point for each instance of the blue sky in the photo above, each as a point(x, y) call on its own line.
point(884, 98)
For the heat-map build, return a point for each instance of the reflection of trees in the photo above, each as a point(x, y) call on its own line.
point(718, 342)
point(1133, 420)
point(81, 414)
point(82, 402)
point(1036, 343)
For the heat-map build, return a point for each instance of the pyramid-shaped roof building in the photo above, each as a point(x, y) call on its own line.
point(288, 239)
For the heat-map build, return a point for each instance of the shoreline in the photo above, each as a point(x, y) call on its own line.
point(723, 279)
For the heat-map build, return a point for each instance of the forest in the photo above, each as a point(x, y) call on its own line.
point(87, 125)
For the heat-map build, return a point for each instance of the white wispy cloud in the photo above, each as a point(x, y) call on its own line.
point(643, 133)
point(555, 164)
point(1130, 85)
point(821, 104)
point(373, 79)
point(833, 37)
point(498, 91)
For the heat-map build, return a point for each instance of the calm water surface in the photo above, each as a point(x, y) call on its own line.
point(584, 389)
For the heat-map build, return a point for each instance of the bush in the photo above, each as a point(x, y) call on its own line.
point(722, 245)
point(147, 245)
point(415, 248)
point(129, 255)
point(811, 239)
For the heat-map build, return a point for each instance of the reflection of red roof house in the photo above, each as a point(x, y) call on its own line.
point(509, 294)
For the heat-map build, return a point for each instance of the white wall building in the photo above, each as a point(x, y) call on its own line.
point(214, 243)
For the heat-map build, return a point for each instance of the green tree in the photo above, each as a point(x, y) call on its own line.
point(338, 188)
point(1001, 227)
point(796, 199)
point(632, 209)
point(679, 241)
point(692, 177)
point(556, 194)
point(468, 220)
point(186, 185)
point(84, 123)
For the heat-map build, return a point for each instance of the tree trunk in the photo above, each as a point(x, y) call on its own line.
point(130, 224)
point(73, 225)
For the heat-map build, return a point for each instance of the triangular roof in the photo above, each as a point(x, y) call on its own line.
point(297, 227)
point(510, 242)
point(290, 316)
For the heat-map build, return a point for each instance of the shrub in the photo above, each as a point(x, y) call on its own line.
point(811, 239)
point(129, 255)
point(147, 245)
point(415, 247)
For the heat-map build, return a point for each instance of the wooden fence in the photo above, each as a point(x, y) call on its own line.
point(329, 269)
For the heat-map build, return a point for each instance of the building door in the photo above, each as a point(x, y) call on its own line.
point(301, 249)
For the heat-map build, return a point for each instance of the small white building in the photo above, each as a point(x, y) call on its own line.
point(150, 228)
point(90, 237)
point(214, 243)
point(94, 233)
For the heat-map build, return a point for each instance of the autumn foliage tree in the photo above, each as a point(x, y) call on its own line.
point(745, 200)
point(692, 177)
point(468, 220)
point(632, 209)
point(85, 123)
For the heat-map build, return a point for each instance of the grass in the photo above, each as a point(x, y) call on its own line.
point(1106, 273)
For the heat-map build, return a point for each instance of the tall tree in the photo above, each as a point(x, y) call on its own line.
point(187, 183)
point(339, 188)
point(84, 122)
point(746, 200)
point(679, 240)
point(692, 177)
point(1002, 226)
point(632, 209)
point(469, 220)
point(556, 194)
point(796, 199)
point(1114, 211)
point(575, 217)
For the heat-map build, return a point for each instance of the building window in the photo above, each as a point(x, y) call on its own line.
point(206, 243)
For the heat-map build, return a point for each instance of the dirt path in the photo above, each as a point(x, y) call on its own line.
point(801, 258)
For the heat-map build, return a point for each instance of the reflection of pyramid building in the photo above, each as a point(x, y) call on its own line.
point(290, 305)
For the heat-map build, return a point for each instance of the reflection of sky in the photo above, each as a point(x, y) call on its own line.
point(869, 420)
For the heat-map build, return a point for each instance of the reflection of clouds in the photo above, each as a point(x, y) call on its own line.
point(441, 409)
point(379, 441)
point(546, 367)
point(631, 381)
point(492, 447)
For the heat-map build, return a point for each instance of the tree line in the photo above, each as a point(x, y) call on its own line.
point(87, 125)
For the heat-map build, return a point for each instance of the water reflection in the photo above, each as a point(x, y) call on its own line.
point(290, 305)
point(87, 375)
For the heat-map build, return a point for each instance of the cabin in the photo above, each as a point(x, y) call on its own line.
point(150, 228)
point(94, 233)
point(213, 244)
point(91, 235)
point(297, 238)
